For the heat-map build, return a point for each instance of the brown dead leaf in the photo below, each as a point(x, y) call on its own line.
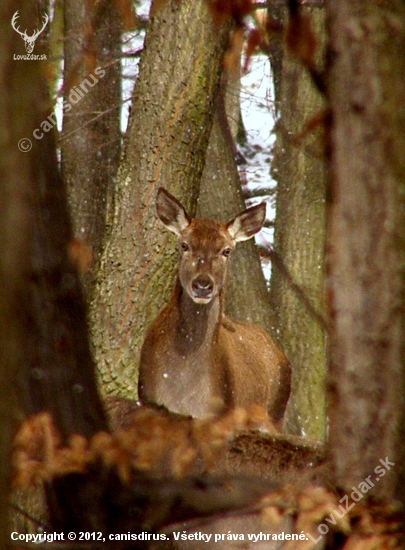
point(301, 40)
point(222, 10)
point(125, 9)
point(233, 53)
point(80, 255)
point(254, 42)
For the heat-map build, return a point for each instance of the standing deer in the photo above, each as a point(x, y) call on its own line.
point(193, 354)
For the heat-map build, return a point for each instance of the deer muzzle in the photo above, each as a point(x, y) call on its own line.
point(202, 289)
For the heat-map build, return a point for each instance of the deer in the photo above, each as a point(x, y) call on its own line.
point(28, 40)
point(193, 355)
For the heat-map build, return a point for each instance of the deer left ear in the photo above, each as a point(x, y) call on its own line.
point(247, 223)
point(171, 212)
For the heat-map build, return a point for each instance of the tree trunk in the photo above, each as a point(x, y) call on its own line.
point(18, 103)
point(168, 133)
point(90, 144)
point(43, 336)
point(299, 169)
point(366, 242)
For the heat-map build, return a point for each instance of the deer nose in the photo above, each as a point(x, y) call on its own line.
point(202, 286)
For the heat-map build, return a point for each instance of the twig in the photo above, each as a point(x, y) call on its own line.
point(279, 264)
point(28, 516)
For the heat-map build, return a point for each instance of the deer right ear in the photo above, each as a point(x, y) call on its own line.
point(247, 223)
point(171, 212)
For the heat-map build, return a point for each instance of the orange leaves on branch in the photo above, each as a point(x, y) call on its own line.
point(164, 444)
point(155, 441)
point(301, 40)
point(38, 454)
point(33, 447)
point(364, 525)
point(254, 43)
point(223, 10)
point(125, 9)
point(233, 53)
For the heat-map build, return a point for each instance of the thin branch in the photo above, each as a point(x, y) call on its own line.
point(28, 516)
point(99, 115)
point(279, 264)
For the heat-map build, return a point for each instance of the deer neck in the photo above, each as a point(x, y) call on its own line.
point(197, 324)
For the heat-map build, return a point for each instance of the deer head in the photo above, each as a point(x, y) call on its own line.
point(28, 40)
point(205, 245)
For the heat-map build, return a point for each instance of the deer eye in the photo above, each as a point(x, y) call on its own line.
point(184, 247)
point(226, 252)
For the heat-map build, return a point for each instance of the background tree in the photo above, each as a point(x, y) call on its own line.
point(300, 170)
point(90, 144)
point(44, 344)
point(366, 241)
point(15, 233)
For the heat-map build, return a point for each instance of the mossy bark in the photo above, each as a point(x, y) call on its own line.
point(300, 171)
point(165, 145)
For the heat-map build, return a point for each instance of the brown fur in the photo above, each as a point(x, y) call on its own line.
point(193, 356)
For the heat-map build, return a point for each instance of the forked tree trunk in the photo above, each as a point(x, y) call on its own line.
point(168, 133)
point(366, 242)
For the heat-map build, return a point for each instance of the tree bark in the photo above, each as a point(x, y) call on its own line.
point(43, 335)
point(366, 242)
point(57, 373)
point(90, 143)
point(299, 169)
point(167, 136)
point(18, 102)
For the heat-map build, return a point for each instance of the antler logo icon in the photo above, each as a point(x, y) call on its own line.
point(29, 40)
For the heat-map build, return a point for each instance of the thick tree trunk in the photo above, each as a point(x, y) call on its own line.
point(299, 169)
point(366, 242)
point(43, 336)
point(168, 133)
point(18, 103)
point(90, 144)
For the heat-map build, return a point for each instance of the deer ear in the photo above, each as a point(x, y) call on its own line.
point(171, 212)
point(247, 223)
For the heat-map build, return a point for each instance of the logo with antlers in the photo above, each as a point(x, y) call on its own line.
point(29, 40)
